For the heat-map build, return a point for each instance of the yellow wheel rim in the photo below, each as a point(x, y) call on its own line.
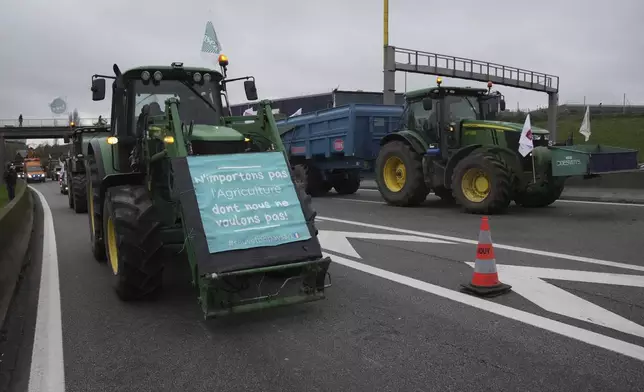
point(111, 246)
point(475, 185)
point(91, 208)
point(394, 174)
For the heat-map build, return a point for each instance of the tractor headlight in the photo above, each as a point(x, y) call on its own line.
point(196, 77)
point(158, 76)
point(145, 75)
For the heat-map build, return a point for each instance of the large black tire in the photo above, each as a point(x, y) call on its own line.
point(79, 182)
point(133, 242)
point(70, 190)
point(541, 195)
point(95, 207)
point(499, 180)
point(413, 191)
point(311, 179)
point(348, 184)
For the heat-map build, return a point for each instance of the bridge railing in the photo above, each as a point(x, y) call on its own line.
point(48, 122)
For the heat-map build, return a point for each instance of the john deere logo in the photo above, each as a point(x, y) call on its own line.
point(569, 161)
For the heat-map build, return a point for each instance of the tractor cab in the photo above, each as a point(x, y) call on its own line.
point(438, 113)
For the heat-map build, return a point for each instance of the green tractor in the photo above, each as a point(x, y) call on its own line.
point(180, 178)
point(450, 143)
point(75, 167)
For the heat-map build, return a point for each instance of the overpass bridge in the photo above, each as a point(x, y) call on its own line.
point(36, 129)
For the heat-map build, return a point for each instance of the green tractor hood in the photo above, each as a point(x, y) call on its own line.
point(502, 125)
point(212, 133)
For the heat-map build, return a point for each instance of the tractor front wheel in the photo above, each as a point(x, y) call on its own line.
point(482, 184)
point(399, 175)
point(79, 182)
point(132, 242)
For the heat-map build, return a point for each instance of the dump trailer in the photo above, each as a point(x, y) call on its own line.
point(449, 143)
point(330, 148)
point(75, 165)
point(179, 179)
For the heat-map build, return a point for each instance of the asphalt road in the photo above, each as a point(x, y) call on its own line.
point(382, 328)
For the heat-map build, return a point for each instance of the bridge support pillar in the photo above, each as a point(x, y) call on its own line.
point(389, 75)
point(553, 104)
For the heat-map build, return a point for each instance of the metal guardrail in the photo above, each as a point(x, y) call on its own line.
point(48, 123)
point(451, 66)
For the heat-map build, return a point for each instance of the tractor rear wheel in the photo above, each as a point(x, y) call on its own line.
point(132, 241)
point(399, 175)
point(79, 182)
point(482, 184)
point(348, 184)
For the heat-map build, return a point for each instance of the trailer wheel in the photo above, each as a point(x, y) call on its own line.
point(399, 175)
point(312, 180)
point(348, 185)
point(482, 184)
point(132, 242)
point(542, 195)
point(79, 182)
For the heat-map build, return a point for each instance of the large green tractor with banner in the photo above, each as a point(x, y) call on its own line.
point(450, 143)
point(180, 178)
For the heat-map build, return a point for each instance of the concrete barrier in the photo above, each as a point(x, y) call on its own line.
point(16, 224)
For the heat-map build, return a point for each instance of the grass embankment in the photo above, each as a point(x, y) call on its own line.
point(625, 131)
point(4, 197)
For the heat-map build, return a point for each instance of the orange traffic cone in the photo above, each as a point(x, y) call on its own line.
point(485, 280)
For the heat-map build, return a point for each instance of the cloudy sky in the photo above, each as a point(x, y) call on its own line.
point(51, 48)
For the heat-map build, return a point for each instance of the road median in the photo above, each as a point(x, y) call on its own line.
point(16, 224)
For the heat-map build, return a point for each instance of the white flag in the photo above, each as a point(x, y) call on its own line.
point(525, 141)
point(585, 124)
point(297, 113)
point(249, 112)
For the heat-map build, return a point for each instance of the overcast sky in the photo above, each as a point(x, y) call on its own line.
point(51, 48)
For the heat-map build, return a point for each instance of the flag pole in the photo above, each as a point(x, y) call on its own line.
point(534, 172)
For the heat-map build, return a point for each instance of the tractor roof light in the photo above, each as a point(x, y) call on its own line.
point(207, 78)
point(196, 77)
point(158, 76)
point(439, 80)
point(223, 60)
point(145, 75)
point(168, 139)
point(112, 140)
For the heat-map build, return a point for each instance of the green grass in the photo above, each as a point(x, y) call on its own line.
point(613, 130)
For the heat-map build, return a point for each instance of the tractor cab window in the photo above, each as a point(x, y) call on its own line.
point(198, 103)
point(421, 120)
point(461, 108)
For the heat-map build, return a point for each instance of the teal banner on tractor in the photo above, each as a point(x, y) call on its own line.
point(247, 201)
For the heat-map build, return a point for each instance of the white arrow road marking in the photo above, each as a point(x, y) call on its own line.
point(527, 282)
point(534, 252)
point(580, 334)
point(338, 241)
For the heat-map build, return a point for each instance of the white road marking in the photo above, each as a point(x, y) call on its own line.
point(520, 249)
point(356, 200)
point(607, 203)
point(47, 368)
point(589, 337)
point(527, 282)
point(338, 241)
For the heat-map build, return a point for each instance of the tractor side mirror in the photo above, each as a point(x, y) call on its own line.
point(98, 89)
point(427, 104)
point(502, 105)
point(251, 90)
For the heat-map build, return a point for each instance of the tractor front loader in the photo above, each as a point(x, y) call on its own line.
point(179, 178)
